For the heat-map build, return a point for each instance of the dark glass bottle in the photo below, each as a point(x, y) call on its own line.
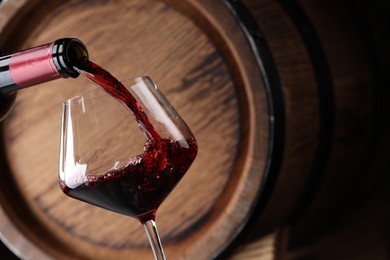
point(37, 65)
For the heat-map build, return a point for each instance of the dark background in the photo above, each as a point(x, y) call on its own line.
point(373, 21)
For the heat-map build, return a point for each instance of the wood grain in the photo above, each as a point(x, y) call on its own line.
point(215, 97)
point(301, 106)
point(217, 72)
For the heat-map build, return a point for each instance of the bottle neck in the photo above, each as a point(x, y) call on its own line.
point(40, 64)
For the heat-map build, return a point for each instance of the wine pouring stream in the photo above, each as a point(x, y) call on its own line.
point(135, 186)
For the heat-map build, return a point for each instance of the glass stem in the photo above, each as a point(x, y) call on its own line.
point(154, 239)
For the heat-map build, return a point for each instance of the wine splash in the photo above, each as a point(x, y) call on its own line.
point(139, 188)
point(117, 90)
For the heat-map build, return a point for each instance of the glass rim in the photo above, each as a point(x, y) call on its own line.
point(101, 92)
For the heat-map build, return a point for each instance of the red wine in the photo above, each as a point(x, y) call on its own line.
point(139, 188)
point(116, 89)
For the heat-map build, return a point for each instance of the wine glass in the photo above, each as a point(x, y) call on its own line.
point(111, 160)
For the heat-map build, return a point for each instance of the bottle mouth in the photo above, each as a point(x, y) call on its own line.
point(69, 54)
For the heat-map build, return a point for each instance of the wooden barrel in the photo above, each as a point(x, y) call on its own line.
point(280, 98)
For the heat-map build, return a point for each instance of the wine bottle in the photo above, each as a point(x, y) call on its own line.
point(37, 65)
